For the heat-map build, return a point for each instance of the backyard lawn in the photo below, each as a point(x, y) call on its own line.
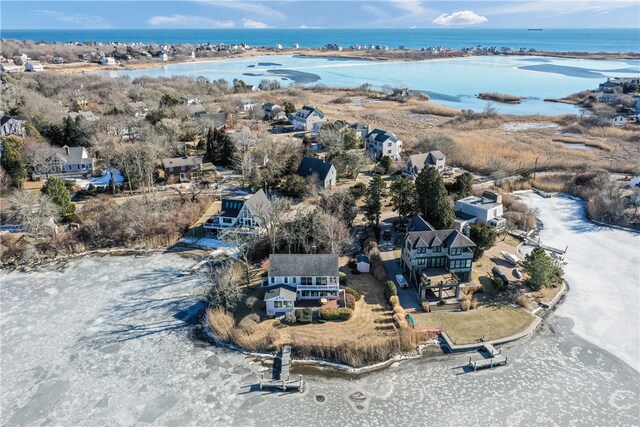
point(492, 321)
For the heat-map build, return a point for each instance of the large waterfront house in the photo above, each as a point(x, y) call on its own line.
point(273, 112)
point(181, 169)
point(240, 215)
point(324, 171)
point(427, 252)
point(305, 118)
point(293, 277)
point(417, 162)
point(379, 143)
point(486, 209)
point(67, 161)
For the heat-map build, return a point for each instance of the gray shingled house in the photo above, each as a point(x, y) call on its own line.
point(325, 171)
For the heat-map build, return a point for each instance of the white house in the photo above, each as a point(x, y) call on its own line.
point(7, 67)
point(20, 59)
point(240, 215)
point(33, 66)
point(71, 161)
point(11, 126)
point(486, 209)
point(305, 118)
point(380, 143)
point(107, 60)
point(273, 112)
point(247, 104)
point(417, 162)
point(279, 301)
point(189, 100)
point(311, 276)
point(618, 121)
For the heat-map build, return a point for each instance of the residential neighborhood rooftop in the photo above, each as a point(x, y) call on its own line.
point(298, 265)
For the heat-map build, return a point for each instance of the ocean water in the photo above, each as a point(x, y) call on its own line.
point(566, 39)
point(451, 82)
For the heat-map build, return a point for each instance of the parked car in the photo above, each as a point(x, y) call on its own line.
point(402, 282)
point(386, 234)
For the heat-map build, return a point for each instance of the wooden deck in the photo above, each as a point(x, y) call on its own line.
point(281, 373)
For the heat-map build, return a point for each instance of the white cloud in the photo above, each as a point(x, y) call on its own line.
point(413, 6)
point(376, 11)
point(81, 21)
point(246, 6)
point(555, 8)
point(189, 21)
point(462, 17)
point(250, 23)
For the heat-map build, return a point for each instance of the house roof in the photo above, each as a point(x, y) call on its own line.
point(76, 156)
point(419, 224)
point(359, 125)
point(464, 216)
point(480, 202)
point(182, 161)
point(256, 203)
point(382, 135)
point(421, 233)
point(311, 165)
point(298, 265)
point(363, 258)
point(269, 106)
point(306, 111)
point(280, 291)
point(437, 154)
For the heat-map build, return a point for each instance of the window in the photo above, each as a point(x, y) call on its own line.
point(306, 281)
point(273, 280)
point(421, 261)
point(422, 250)
point(294, 280)
point(321, 281)
point(468, 263)
point(333, 280)
point(437, 249)
point(286, 281)
point(456, 251)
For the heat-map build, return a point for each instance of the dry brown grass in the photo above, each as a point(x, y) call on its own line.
point(435, 110)
point(523, 302)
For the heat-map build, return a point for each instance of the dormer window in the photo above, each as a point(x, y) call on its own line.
point(456, 251)
point(422, 250)
point(437, 249)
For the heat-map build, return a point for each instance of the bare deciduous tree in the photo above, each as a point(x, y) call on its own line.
point(333, 233)
point(32, 211)
point(226, 279)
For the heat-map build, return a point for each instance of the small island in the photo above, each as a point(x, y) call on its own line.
point(501, 97)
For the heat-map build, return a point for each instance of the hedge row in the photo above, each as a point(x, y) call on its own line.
point(304, 315)
point(350, 291)
point(389, 289)
point(335, 313)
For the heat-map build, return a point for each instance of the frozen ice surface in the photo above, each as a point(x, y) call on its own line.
point(115, 341)
point(603, 272)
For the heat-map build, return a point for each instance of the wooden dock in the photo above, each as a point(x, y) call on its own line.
point(495, 359)
point(281, 373)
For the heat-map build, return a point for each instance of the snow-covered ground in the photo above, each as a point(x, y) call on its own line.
point(101, 181)
point(115, 341)
point(517, 127)
point(603, 274)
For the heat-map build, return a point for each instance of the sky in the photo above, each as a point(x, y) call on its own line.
point(233, 14)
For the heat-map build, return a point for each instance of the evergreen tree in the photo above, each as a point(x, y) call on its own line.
point(484, 237)
point(56, 189)
point(386, 162)
point(543, 269)
point(11, 160)
point(227, 150)
point(289, 108)
point(210, 145)
point(463, 185)
point(373, 200)
point(403, 196)
point(74, 133)
point(433, 201)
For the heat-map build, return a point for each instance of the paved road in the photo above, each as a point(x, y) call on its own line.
point(408, 297)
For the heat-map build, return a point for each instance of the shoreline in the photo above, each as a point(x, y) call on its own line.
point(384, 56)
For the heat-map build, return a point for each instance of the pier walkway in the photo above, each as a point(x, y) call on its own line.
point(281, 373)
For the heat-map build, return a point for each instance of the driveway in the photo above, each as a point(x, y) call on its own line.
point(408, 296)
